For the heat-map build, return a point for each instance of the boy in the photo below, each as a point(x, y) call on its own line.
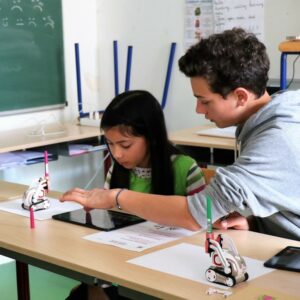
point(229, 73)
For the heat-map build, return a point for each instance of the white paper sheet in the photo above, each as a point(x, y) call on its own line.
point(17, 158)
point(140, 236)
point(228, 132)
point(198, 21)
point(190, 262)
point(247, 14)
point(56, 207)
point(10, 159)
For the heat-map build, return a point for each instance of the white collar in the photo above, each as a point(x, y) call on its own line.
point(142, 172)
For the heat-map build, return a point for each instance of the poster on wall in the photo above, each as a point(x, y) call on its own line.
point(199, 21)
point(248, 14)
point(204, 17)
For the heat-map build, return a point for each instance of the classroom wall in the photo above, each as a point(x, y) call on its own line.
point(281, 20)
point(150, 27)
point(80, 23)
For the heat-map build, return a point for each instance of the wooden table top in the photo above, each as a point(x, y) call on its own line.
point(26, 138)
point(190, 137)
point(61, 244)
point(289, 46)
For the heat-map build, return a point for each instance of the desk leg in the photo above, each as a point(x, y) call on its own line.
point(22, 281)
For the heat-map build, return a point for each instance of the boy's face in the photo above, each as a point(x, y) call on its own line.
point(223, 112)
point(128, 150)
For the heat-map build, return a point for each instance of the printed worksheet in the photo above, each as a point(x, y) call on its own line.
point(139, 237)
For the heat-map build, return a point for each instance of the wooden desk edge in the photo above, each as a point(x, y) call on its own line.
point(189, 137)
point(289, 46)
point(21, 139)
point(245, 243)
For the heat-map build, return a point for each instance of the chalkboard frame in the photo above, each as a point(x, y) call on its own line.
point(32, 71)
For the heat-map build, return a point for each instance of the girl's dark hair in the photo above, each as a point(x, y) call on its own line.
point(138, 113)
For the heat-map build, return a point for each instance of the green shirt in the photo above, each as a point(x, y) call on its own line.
point(188, 177)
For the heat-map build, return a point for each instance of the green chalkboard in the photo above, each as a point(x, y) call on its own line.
point(31, 55)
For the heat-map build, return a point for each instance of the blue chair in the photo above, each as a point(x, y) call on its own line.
point(287, 48)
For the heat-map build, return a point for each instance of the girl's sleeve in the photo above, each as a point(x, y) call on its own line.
point(108, 178)
point(195, 181)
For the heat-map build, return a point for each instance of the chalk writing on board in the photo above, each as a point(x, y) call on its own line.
point(25, 13)
point(31, 55)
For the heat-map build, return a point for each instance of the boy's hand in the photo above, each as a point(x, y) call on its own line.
point(233, 220)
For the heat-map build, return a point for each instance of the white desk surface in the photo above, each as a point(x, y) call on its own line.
point(19, 139)
point(189, 137)
point(61, 244)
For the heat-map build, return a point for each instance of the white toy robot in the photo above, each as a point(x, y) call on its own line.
point(35, 196)
point(228, 267)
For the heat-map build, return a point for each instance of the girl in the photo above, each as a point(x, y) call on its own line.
point(144, 160)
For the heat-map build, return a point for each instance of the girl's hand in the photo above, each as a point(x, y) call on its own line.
point(96, 198)
point(233, 220)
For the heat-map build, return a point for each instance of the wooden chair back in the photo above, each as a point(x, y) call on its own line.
point(208, 174)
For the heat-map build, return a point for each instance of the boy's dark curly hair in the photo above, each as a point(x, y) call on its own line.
point(231, 59)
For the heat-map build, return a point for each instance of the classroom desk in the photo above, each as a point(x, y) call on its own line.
point(189, 137)
point(20, 139)
point(287, 48)
point(59, 247)
point(220, 150)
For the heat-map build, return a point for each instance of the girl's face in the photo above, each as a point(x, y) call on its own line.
point(128, 150)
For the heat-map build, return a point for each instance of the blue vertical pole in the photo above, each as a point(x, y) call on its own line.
point(128, 68)
point(168, 76)
point(78, 78)
point(78, 81)
point(283, 71)
point(116, 68)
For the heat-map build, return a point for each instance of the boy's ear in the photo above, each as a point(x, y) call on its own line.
point(242, 96)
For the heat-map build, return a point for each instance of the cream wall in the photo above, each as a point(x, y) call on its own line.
point(150, 26)
point(80, 25)
point(281, 20)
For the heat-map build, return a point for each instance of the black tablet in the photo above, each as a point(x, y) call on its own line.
point(99, 219)
point(286, 259)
